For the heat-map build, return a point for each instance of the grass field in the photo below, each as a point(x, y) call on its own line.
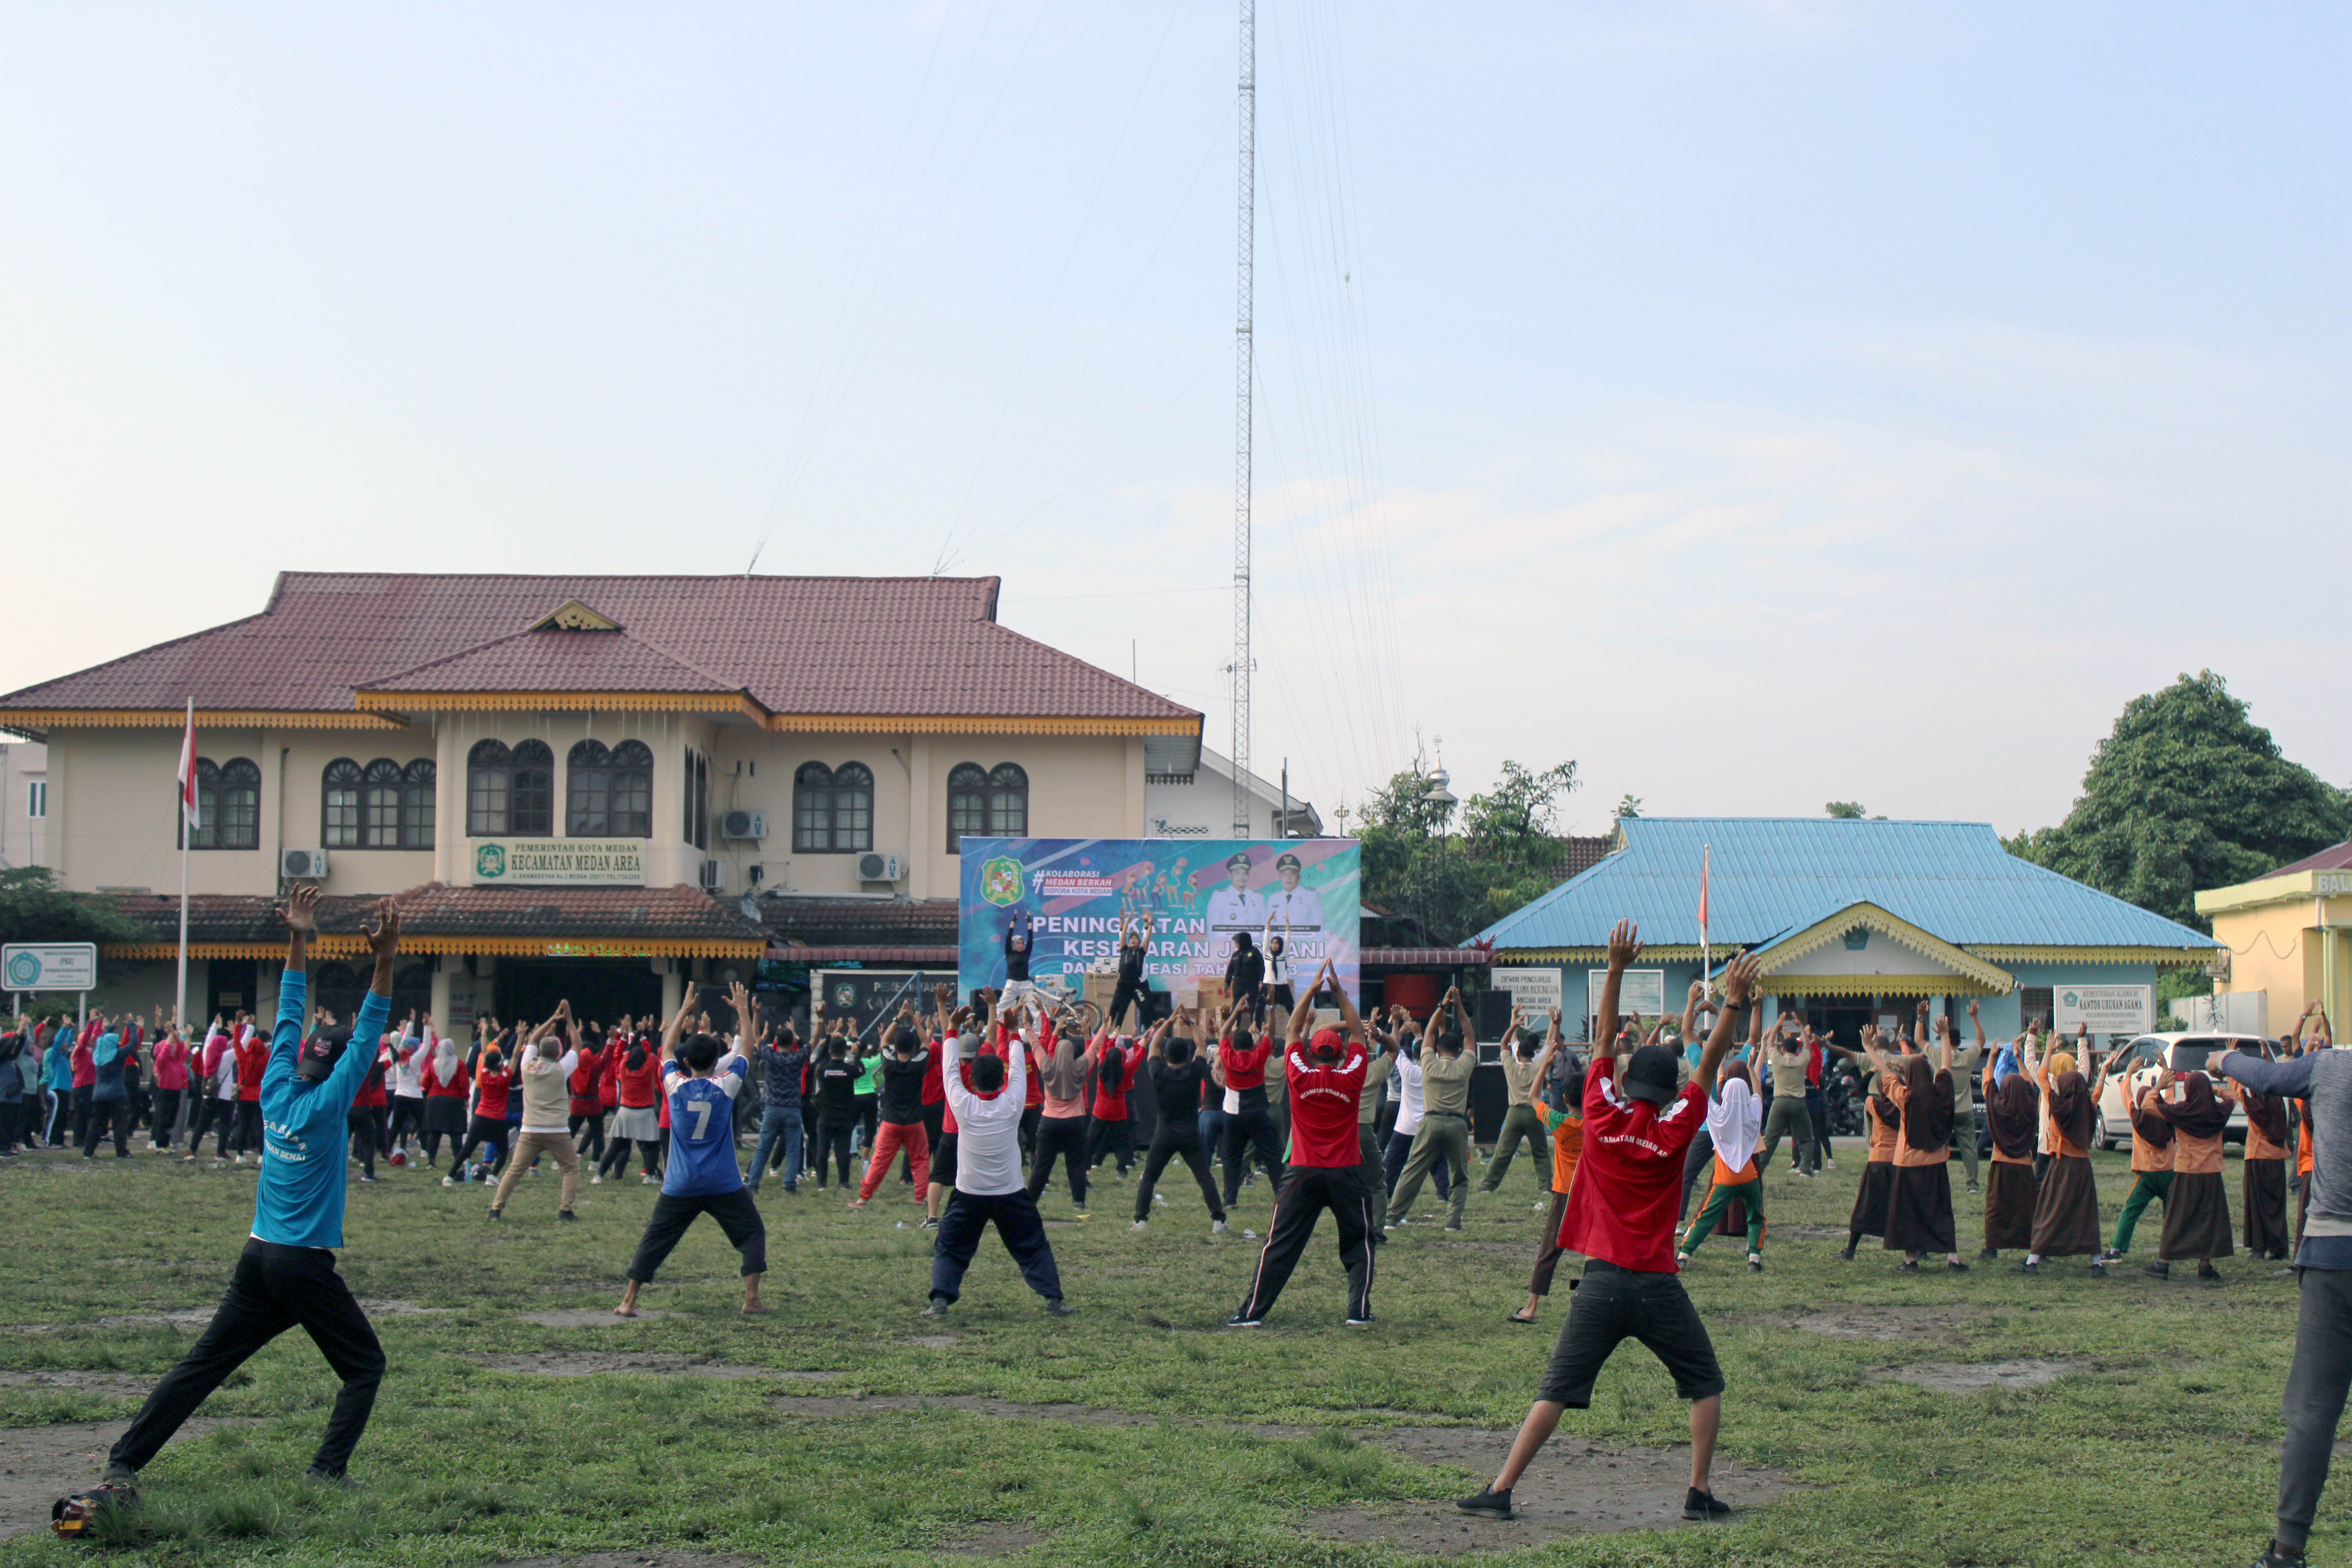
point(2158, 1444)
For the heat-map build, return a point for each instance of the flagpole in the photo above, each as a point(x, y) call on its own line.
point(180, 991)
point(1706, 953)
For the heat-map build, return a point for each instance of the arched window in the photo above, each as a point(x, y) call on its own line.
point(697, 799)
point(380, 805)
point(992, 804)
point(416, 800)
point(609, 793)
point(833, 809)
point(228, 806)
point(510, 792)
point(339, 805)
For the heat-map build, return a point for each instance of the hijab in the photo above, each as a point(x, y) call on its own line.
point(1882, 1107)
point(2267, 1114)
point(2008, 1113)
point(444, 1060)
point(1928, 1105)
point(1735, 1118)
point(2070, 1107)
point(2154, 1131)
point(2201, 1113)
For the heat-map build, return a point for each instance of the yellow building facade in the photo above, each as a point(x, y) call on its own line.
point(2290, 936)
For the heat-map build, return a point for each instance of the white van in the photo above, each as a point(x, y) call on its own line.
point(2181, 1053)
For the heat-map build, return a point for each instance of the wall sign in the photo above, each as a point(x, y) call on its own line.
point(50, 965)
point(557, 862)
point(2106, 1009)
point(1642, 991)
point(1534, 991)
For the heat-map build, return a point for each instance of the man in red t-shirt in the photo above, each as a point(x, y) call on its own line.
point(1621, 1216)
point(1326, 1074)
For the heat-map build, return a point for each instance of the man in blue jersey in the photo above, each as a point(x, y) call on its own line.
point(702, 1177)
point(286, 1276)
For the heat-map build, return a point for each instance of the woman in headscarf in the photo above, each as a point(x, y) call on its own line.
point(2197, 1212)
point(2066, 1211)
point(445, 1087)
point(1919, 1199)
point(1735, 1119)
point(2264, 1187)
point(1883, 1120)
point(2151, 1160)
point(2012, 1106)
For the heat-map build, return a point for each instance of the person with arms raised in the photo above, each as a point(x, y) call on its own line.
point(286, 1276)
point(988, 1186)
point(700, 1085)
point(1621, 1216)
point(1448, 1058)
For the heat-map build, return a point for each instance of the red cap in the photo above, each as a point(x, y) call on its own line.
point(1326, 1040)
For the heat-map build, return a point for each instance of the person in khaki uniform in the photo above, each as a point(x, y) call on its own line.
point(546, 1075)
point(1448, 1058)
point(1520, 1121)
point(1791, 1052)
point(1967, 1067)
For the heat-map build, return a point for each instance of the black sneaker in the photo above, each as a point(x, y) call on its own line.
point(566, 1213)
point(1845, 1254)
point(1907, 1268)
point(1989, 1254)
point(937, 1309)
point(1954, 1266)
point(498, 1214)
point(2207, 1271)
point(1697, 1504)
point(2277, 1556)
point(2158, 1271)
point(119, 1475)
point(331, 1479)
point(1238, 1322)
point(1488, 1501)
point(1057, 1308)
point(1755, 1264)
point(2025, 1265)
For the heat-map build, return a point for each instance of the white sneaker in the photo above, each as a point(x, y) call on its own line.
point(1220, 1228)
point(448, 1181)
point(595, 1180)
point(646, 1182)
point(1139, 1225)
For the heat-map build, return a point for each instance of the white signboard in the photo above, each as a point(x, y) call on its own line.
point(50, 965)
point(1642, 991)
point(1534, 991)
point(2103, 1009)
point(554, 862)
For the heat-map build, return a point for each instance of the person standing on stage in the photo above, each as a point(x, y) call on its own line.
point(286, 1275)
point(1621, 1216)
point(1134, 948)
point(1244, 978)
point(1326, 1080)
point(1019, 944)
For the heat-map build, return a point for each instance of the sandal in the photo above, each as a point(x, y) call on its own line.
point(1522, 1320)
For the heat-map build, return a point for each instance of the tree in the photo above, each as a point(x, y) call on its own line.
point(1846, 810)
point(1628, 805)
point(33, 908)
point(1506, 852)
point(2187, 792)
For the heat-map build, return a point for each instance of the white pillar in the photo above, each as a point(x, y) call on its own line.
point(439, 1005)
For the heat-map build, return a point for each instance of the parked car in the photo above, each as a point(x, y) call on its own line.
point(2181, 1053)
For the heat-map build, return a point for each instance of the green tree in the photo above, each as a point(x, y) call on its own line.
point(2188, 793)
point(33, 908)
point(1628, 805)
point(1506, 852)
point(1846, 810)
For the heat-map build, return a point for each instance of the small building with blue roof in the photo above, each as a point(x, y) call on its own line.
point(1855, 922)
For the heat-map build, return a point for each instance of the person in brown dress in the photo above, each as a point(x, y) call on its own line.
point(2066, 1210)
point(2263, 1192)
point(1919, 1199)
point(1883, 1120)
point(2197, 1210)
point(2012, 1107)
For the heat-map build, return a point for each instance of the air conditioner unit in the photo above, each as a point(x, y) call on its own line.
point(873, 868)
point(303, 865)
point(714, 876)
point(750, 824)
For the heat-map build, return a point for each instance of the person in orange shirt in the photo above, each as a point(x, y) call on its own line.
point(2197, 1211)
point(1735, 1119)
point(2066, 1213)
point(2012, 1106)
point(1557, 1106)
point(1919, 1199)
point(2263, 1187)
point(1884, 1121)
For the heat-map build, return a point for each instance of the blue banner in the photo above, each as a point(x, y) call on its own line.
point(1072, 893)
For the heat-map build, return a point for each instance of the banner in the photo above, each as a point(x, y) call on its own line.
point(2107, 1009)
point(1195, 895)
point(554, 862)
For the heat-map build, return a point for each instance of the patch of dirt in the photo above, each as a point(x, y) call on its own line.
point(933, 1342)
point(1964, 1377)
point(200, 1318)
point(588, 1317)
point(594, 1363)
point(90, 1382)
point(637, 1559)
point(1944, 1324)
point(1836, 1233)
point(39, 1465)
point(997, 1540)
point(1518, 1251)
point(1076, 1415)
point(1574, 1489)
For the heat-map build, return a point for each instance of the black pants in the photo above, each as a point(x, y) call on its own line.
point(249, 1126)
point(1065, 1136)
point(481, 1129)
point(220, 1116)
point(81, 1104)
point(735, 1214)
point(2316, 1386)
point(869, 1120)
point(1030, 1116)
point(592, 1147)
point(274, 1288)
point(1401, 1149)
point(1255, 1124)
point(105, 1114)
point(1108, 1137)
point(833, 1138)
point(1306, 1193)
point(407, 1118)
point(1702, 1150)
point(1173, 1143)
point(1124, 992)
point(359, 1123)
point(167, 1115)
point(1612, 1305)
point(1017, 1225)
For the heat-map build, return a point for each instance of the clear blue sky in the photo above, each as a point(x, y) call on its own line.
point(1757, 403)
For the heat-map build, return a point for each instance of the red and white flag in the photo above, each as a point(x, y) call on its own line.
point(1703, 856)
point(188, 771)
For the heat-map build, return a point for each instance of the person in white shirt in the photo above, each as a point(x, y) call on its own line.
point(988, 1181)
point(1406, 1079)
point(1237, 907)
point(545, 1088)
point(407, 1084)
point(1300, 909)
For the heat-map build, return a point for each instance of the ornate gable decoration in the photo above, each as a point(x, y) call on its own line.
point(573, 615)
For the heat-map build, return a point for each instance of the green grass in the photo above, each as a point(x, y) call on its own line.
point(2159, 1448)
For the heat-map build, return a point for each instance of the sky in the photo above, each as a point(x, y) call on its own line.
point(1758, 402)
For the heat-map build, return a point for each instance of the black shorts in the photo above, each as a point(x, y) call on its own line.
point(1612, 1305)
point(943, 1161)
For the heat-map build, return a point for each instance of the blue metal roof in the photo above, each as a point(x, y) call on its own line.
point(1773, 875)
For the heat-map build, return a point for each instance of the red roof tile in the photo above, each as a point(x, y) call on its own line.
point(2336, 858)
point(437, 909)
point(819, 646)
point(834, 923)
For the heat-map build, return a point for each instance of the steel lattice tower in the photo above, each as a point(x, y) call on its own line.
point(1244, 370)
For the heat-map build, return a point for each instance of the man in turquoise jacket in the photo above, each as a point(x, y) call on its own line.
point(285, 1277)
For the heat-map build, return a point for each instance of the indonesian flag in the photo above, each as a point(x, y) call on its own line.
point(1704, 856)
point(188, 771)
